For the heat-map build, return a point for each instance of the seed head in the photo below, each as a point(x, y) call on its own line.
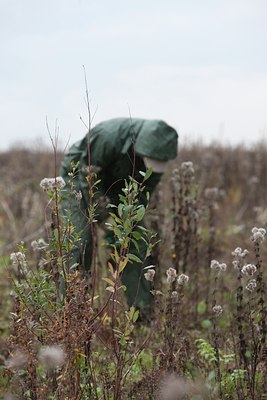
point(187, 168)
point(217, 310)
point(149, 275)
point(211, 194)
point(52, 183)
point(249, 269)
point(251, 286)
point(217, 267)
point(51, 356)
point(238, 253)
point(39, 244)
point(171, 275)
point(258, 235)
point(17, 360)
point(182, 279)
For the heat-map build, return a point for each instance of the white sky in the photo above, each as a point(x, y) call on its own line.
point(199, 65)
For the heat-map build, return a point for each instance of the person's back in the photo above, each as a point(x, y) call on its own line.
point(119, 148)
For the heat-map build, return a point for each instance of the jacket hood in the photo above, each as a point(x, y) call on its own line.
point(157, 140)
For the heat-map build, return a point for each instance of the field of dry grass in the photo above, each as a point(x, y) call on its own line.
point(201, 217)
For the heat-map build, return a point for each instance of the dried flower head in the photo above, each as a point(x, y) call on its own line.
point(171, 275)
point(16, 360)
point(218, 267)
point(149, 275)
point(19, 259)
point(52, 183)
point(258, 235)
point(249, 269)
point(187, 169)
point(173, 388)
point(39, 244)
point(182, 279)
point(217, 310)
point(251, 285)
point(211, 194)
point(51, 356)
point(239, 253)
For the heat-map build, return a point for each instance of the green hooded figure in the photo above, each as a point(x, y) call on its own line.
point(119, 148)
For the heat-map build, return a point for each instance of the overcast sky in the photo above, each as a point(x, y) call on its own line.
point(199, 65)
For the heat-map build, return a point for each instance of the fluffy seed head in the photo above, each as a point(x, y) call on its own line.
point(258, 235)
point(51, 356)
point(182, 279)
point(218, 267)
point(16, 360)
point(149, 275)
point(249, 269)
point(52, 183)
point(251, 285)
point(171, 275)
point(217, 310)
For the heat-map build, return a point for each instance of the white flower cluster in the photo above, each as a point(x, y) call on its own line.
point(39, 244)
point(217, 310)
point(251, 285)
point(18, 258)
point(218, 267)
point(149, 275)
point(249, 269)
point(258, 235)
point(52, 183)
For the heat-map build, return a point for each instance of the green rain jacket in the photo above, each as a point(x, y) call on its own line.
point(116, 146)
point(112, 148)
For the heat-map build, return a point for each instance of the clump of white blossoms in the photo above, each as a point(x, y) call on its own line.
point(217, 310)
point(51, 356)
point(149, 275)
point(52, 183)
point(249, 269)
point(251, 285)
point(171, 275)
point(258, 235)
point(218, 267)
point(182, 279)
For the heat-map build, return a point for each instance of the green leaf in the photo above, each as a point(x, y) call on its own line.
point(140, 213)
point(148, 174)
point(133, 257)
point(201, 307)
point(136, 235)
point(120, 209)
point(108, 281)
point(56, 234)
point(206, 324)
point(136, 315)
